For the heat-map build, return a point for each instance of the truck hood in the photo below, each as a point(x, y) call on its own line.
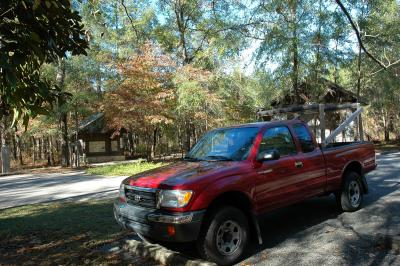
point(181, 174)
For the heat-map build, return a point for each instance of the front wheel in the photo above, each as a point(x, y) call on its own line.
point(224, 237)
point(350, 197)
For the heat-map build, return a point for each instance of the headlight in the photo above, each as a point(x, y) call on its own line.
point(122, 192)
point(174, 198)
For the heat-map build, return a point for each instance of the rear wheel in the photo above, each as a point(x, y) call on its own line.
point(224, 237)
point(350, 197)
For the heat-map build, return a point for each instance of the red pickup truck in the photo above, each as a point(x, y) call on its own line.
point(231, 177)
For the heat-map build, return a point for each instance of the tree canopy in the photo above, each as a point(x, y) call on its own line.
point(33, 33)
point(166, 71)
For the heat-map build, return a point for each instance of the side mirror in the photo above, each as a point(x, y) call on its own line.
point(268, 155)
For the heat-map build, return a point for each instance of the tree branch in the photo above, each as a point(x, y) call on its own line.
point(356, 29)
point(130, 18)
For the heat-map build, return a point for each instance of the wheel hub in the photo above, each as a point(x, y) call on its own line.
point(354, 193)
point(228, 237)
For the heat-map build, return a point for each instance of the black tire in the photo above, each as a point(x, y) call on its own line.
point(350, 196)
point(224, 236)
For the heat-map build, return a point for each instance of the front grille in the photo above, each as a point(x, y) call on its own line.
point(139, 197)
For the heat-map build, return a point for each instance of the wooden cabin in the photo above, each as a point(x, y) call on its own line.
point(99, 143)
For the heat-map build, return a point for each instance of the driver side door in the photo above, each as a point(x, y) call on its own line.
point(277, 180)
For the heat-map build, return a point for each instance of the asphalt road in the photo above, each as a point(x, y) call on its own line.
point(316, 233)
point(17, 190)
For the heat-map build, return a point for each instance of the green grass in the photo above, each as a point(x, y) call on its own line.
point(123, 168)
point(59, 233)
point(391, 146)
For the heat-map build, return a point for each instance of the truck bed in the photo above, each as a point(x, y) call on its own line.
point(340, 154)
point(341, 144)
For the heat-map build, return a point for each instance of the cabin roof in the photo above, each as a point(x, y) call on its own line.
point(331, 92)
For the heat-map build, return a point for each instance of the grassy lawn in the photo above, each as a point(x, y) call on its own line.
point(60, 233)
point(123, 168)
point(391, 146)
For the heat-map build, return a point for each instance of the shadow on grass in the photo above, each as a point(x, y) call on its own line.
point(59, 233)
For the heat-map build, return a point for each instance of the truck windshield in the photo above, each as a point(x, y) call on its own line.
point(231, 144)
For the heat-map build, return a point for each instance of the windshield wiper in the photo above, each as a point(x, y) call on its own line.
point(218, 158)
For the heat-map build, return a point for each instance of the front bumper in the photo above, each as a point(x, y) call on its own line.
point(159, 224)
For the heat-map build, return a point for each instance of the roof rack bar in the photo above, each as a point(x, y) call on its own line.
point(306, 107)
point(343, 125)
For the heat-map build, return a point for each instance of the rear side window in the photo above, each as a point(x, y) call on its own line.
point(305, 139)
point(278, 138)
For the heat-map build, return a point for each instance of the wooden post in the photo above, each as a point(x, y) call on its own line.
point(322, 122)
point(356, 128)
point(360, 128)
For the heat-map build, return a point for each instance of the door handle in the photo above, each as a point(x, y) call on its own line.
point(265, 171)
point(298, 164)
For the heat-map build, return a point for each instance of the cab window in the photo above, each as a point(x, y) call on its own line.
point(304, 137)
point(278, 138)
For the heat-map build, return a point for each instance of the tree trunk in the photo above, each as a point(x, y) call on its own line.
point(65, 160)
point(40, 148)
point(188, 136)
point(181, 25)
point(14, 142)
point(48, 154)
point(153, 146)
point(359, 76)
point(359, 70)
point(194, 134)
point(45, 148)
point(180, 140)
point(295, 52)
point(77, 148)
point(99, 83)
point(19, 146)
point(336, 72)
point(4, 155)
point(387, 136)
point(385, 127)
point(34, 150)
point(131, 144)
point(317, 69)
point(58, 148)
point(51, 152)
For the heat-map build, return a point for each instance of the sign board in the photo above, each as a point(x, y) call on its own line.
point(114, 145)
point(97, 146)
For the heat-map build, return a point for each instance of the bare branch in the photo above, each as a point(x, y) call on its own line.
point(371, 36)
point(356, 29)
point(2, 15)
point(130, 18)
point(379, 70)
